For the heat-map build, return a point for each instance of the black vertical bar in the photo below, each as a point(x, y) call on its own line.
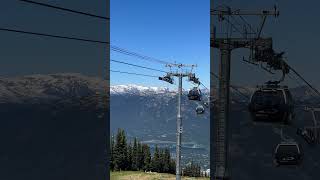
point(212, 93)
point(108, 153)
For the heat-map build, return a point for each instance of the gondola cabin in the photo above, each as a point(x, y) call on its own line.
point(272, 103)
point(194, 94)
point(200, 109)
point(288, 153)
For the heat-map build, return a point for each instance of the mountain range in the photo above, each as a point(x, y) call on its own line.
point(60, 117)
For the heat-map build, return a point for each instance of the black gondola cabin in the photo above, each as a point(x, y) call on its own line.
point(194, 94)
point(288, 153)
point(272, 103)
point(200, 109)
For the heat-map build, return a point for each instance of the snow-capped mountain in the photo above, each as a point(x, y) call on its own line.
point(49, 87)
point(71, 100)
point(138, 89)
point(67, 85)
point(42, 120)
point(144, 90)
point(68, 132)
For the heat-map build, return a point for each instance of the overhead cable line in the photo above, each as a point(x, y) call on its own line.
point(236, 22)
point(233, 87)
point(246, 22)
point(121, 62)
point(296, 79)
point(65, 9)
point(124, 72)
point(305, 81)
point(112, 47)
point(234, 26)
point(53, 36)
point(204, 86)
point(129, 53)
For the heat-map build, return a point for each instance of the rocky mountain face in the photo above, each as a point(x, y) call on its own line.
point(60, 117)
point(133, 107)
point(151, 113)
point(49, 124)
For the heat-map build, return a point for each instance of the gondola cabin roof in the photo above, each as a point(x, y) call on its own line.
point(200, 107)
point(286, 144)
point(272, 87)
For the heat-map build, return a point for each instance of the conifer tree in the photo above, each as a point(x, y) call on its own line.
point(166, 160)
point(129, 156)
point(172, 166)
point(161, 160)
point(120, 151)
point(112, 153)
point(192, 170)
point(146, 157)
point(155, 160)
point(135, 155)
point(139, 156)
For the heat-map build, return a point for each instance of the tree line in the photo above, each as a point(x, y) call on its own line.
point(128, 156)
point(135, 156)
point(193, 170)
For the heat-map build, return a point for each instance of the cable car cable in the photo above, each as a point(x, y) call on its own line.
point(124, 72)
point(112, 47)
point(53, 36)
point(121, 62)
point(305, 81)
point(312, 93)
point(144, 57)
point(65, 9)
point(234, 88)
point(204, 86)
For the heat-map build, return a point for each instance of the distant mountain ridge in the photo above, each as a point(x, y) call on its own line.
point(45, 87)
point(30, 88)
point(138, 89)
point(148, 113)
point(144, 90)
point(66, 84)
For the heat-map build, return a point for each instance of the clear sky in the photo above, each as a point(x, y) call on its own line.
point(169, 30)
point(25, 54)
point(295, 31)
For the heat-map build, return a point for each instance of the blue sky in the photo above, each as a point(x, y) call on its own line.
point(165, 29)
point(25, 54)
point(295, 31)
